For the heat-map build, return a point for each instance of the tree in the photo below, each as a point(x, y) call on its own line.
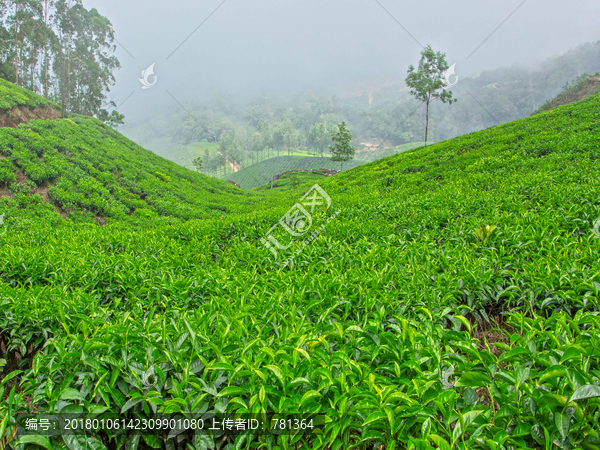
point(220, 160)
point(83, 64)
point(113, 120)
point(285, 135)
point(266, 130)
point(49, 40)
point(7, 70)
point(228, 148)
point(244, 145)
point(256, 144)
point(61, 50)
point(426, 82)
point(202, 126)
point(319, 137)
point(341, 149)
point(214, 164)
point(198, 164)
point(25, 38)
point(206, 158)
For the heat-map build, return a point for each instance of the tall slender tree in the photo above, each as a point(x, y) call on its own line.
point(427, 83)
point(61, 50)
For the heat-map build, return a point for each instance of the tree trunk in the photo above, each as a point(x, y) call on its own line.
point(46, 50)
point(426, 122)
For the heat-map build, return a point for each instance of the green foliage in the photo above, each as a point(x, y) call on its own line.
point(295, 180)
point(12, 96)
point(259, 174)
point(583, 86)
point(427, 83)
point(319, 137)
point(86, 166)
point(198, 164)
point(61, 49)
point(7, 172)
point(285, 136)
point(391, 325)
point(341, 149)
point(484, 233)
point(113, 120)
point(507, 93)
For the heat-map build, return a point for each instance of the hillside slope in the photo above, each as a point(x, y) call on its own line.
point(398, 320)
point(83, 169)
point(584, 86)
point(18, 105)
point(260, 173)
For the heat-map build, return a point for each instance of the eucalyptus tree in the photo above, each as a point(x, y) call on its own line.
point(7, 71)
point(49, 44)
point(229, 148)
point(427, 83)
point(83, 63)
point(24, 25)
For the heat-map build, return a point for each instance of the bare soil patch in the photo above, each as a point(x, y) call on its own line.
point(22, 114)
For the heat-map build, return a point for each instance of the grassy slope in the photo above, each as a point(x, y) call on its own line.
point(288, 181)
point(178, 153)
point(368, 315)
point(375, 154)
point(12, 95)
point(583, 87)
point(259, 174)
point(83, 166)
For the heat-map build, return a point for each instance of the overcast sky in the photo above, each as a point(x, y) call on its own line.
point(294, 45)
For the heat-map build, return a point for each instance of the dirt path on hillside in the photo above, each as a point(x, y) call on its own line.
point(233, 164)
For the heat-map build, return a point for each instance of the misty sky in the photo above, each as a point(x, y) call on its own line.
point(295, 45)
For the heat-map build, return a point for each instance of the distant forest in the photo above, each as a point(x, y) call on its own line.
point(61, 50)
point(249, 130)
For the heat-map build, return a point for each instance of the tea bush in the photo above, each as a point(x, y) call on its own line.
point(452, 302)
point(11, 95)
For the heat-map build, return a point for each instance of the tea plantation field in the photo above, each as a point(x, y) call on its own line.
point(258, 174)
point(11, 96)
point(446, 299)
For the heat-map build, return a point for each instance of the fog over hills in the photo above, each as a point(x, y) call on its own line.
point(285, 47)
